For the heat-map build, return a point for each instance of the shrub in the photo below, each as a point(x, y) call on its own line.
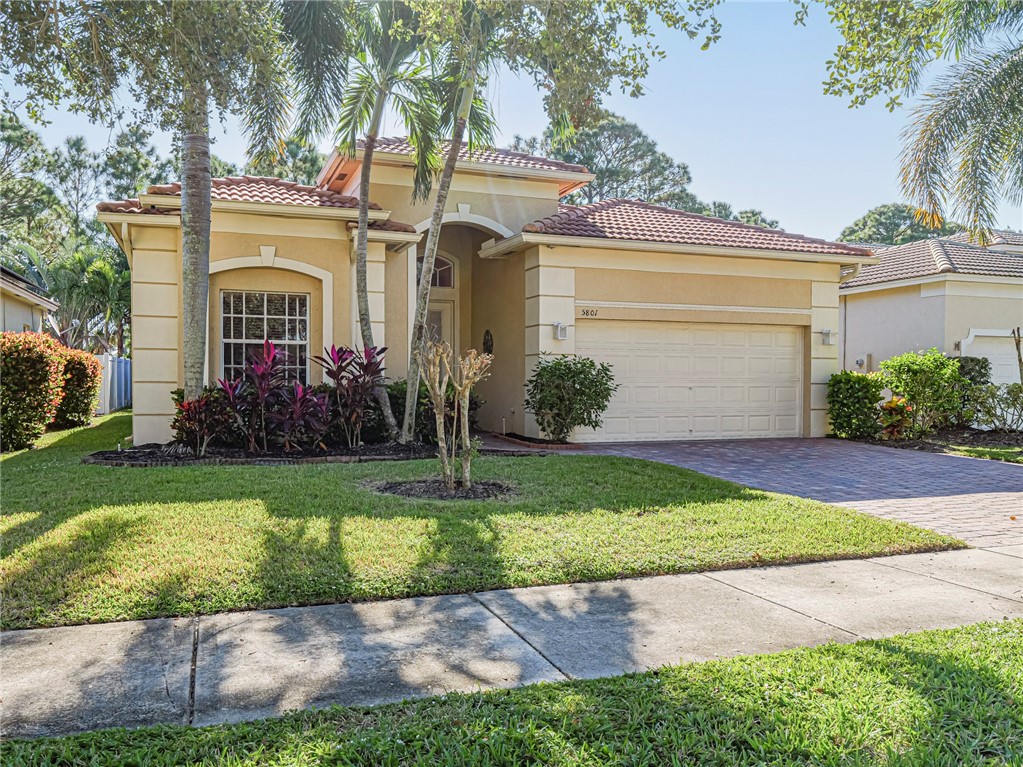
point(896, 418)
point(31, 386)
point(200, 421)
point(932, 384)
point(426, 421)
point(82, 377)
point(255, 393)
point(355, 375)
point(568, 392)
point(303, 418)
point(852, 404)
point(976, 370)
point(999, 407)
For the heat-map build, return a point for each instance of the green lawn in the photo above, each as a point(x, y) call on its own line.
point(89, 544)
point(928, 700)
point(1008, 454)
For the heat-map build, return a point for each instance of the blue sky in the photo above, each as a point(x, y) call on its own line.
point(747, 115)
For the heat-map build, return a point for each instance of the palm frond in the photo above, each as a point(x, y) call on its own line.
point(963, 146)
point(322, 37)
point(356, 109)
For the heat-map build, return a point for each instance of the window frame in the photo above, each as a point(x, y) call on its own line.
point(449, 264)
point(292, 372)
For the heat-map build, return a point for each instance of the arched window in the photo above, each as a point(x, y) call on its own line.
point(443, 272)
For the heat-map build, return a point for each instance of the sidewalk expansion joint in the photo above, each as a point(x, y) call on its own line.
point(191, 673)
point(953, 583)
point(521, 636)
point(784, 607)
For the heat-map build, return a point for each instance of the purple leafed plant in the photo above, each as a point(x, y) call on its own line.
point(354, 376)
point(256, 393)
point(302, 418)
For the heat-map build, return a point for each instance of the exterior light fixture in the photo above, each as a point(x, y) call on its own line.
point(828, 337)
point(560, 331)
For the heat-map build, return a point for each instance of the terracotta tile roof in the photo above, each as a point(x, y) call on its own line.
point(267, 189)
point(1000, 237)
point(942, 255)
point(389, 225)
point(503, 157)
point(261, 189)
point(640, 221)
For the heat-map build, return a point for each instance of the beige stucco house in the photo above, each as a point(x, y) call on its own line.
point(22, 306)
point(947, 293)
point(715, 329)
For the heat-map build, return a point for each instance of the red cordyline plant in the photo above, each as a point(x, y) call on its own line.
point(303, 418)
point(201, 420)
point(354, 375)
point(253, 395)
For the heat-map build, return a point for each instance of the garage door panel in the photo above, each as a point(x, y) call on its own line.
point(696, 381)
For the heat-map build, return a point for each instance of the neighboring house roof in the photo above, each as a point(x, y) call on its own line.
point(503, 157)
point(634, 220)
point(945, 255)
point(999, 237)
point(259, 189)
point(25, 289)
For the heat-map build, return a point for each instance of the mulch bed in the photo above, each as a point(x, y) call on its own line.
point(521, 439)
point(436, 490)
point(942, 440)
point(154, 454)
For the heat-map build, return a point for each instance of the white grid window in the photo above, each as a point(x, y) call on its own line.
point(251, 318)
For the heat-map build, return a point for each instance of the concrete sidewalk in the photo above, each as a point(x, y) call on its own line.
point(241, 666)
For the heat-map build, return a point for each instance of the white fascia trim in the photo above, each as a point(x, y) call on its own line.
point(693, 307)
point(267, 208)
point(142, 219)
point(930, 279)
point(985, 332)
point(488, 168)
point(27, 295)
point(522, 239)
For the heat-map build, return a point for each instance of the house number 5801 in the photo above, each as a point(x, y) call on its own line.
point(589, 312)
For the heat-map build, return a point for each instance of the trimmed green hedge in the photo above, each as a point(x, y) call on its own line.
point(31, 386)
point(853, 404)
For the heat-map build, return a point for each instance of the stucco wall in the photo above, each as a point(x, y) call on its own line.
point(18, 314)
point(940, 313)
point(512, 202)
point(565, 284)
point(499, 306)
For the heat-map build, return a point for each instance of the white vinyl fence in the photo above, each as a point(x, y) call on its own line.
point(115, 386)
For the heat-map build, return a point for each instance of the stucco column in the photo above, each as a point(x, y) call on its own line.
point(550, 299)
point(824, 359)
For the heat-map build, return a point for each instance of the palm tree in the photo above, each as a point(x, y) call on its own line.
point(390, 70)
point(109, 288)
point(964, 144)
point(464, 113)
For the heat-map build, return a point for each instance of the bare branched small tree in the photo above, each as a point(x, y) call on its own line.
point(442, 369)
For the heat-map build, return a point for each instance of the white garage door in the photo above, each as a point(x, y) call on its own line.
point(692, 381)
point(1001, 351)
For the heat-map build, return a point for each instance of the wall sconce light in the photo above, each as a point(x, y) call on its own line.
point(828, 337)
point(560, 331)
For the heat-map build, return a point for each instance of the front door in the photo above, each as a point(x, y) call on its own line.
point(440, 321)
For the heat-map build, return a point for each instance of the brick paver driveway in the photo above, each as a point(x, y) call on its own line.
point(969, 498)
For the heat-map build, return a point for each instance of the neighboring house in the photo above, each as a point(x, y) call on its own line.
point(715, 329)
point(22, 305)
point(947, 293)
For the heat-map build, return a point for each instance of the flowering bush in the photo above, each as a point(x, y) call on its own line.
point(82, 377)
point(896, 418)
point(31, 386)
point(852, 404)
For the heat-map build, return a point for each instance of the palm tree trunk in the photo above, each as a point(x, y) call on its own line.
point(362, 258)
point(195, 236)
point(430, 254)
